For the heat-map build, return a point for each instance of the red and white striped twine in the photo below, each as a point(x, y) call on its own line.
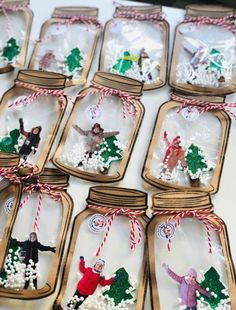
point(204, 106)
point(203, 215)
point(82, 19)
point(4, 7)
point(37, 92)
point(53, 191)
point(11, 173)
point(227, 22)
point(136, 15)
point(135, 227)
point(126, 99)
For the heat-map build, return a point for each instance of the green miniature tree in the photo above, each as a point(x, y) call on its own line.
point(123, 64)
point(9, 143)
point(110, 151)
point(121, 289)
point(218, 290)
point(11, 49)
point(196, 163)
point(73, 61)
point(215, 60)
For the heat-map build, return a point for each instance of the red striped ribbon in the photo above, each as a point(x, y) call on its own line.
point(82, 19)
point(37, 92)
point(204, 106)
point(136, 15)
point(135, 227)
point(203, 215)
point(126, 99)
point(11, 173)
point(53, 191)
point(226, 22)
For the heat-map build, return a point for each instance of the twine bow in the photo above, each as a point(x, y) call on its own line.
point(11, 173)
point(53, 191)
point(82, 19)
point(226, 22)
point(136, 15)
point(37, 92)
point(126, 99)
point(4, 7)
point(135, 227)
point(203, 215)
point(204, 106)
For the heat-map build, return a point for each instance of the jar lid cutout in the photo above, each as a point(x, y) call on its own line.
point(75, 11)
point(51, 176)
point(9, 159)
point(117, 197)
point(150, 9)
point(214, 11)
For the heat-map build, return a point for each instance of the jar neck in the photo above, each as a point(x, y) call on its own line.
point(130, 86)
point(41, 79)
point(117, 198)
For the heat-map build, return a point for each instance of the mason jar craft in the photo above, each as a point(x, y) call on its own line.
point(102, 128)
point(67, 43)
point(30, 114)
point(135, 45)
point(188, 144)
point(189, 255)
point(10, 194)
point(98, 275)
point(35, 248)
point(204, 54)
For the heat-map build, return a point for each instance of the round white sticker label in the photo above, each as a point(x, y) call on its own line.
point(8, 205)
point(165, 230)
point(190, 114)
point(93, 113)
point(97, 223)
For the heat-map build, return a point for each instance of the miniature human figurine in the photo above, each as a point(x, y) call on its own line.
point(30, 250)
point(92, 276)
point(188, 287)
point(94, 136)
point(32, 140)
point(145, 64)
point(173, 155)
point(47, 60)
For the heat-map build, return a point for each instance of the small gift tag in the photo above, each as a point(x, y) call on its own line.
point(97, 223)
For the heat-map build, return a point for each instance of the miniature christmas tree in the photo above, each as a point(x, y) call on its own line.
point(110, 151)
point(11, 49)
point(9, 143)
point(218, 290)
point(74, 59)
point(215, 60)
point(197, 164)
point(121, 289)
point(124, 63)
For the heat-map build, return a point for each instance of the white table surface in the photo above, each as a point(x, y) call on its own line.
point(224, 200)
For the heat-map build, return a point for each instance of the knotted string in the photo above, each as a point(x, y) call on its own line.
point(38, 92)
point(226, 22)
point(205, 216)
point(128, 101)
point(204, 106)
point(11, 172)
point(53, 191)
point(135, 227)
point(136, 15)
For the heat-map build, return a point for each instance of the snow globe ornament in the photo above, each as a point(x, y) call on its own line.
point(10, 194)
point(102, 128)
point(98, 275)
point(124, 52)
point(35, 248)
point(30, 114)
point(67, 43)
point(15, 22)
point(204, 54)
point(196, 238)
point(188, 144)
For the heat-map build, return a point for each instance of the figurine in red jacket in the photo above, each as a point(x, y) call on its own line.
point(92, 276)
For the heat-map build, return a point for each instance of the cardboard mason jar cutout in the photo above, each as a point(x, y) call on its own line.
point(112, 216)
point(10, 194)
point(35, 248)
point(67, 43)
point(124, 52)
point(101, 130)
point(15, 22)
point(204, 56)
point(189, 254)
point(30, 114)
point(188, 144)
